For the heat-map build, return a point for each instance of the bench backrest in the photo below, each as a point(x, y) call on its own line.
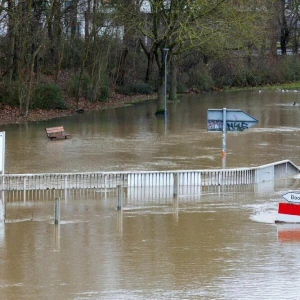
point(54, 129)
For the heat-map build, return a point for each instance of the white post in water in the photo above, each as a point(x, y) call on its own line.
point(2, 207)
point(120, 197)
point(175, 203)
point(57, 236)
point(224, 139)
point(57, 211)
point(176, 185)
point(120, 222)
point(2, 164)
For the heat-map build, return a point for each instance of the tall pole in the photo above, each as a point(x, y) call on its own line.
point(165, 51)
point(120, 197)
point(2, 165)
point(224, 139)
point(57, 211)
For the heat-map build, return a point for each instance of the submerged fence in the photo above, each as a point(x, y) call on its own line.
point(110, 180)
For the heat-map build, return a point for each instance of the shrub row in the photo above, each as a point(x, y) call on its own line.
point(201, 76)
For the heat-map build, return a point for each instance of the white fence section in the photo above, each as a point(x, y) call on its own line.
point(110, 180)
point(192, 178)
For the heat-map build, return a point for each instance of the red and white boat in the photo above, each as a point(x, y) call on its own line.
point(289, 212)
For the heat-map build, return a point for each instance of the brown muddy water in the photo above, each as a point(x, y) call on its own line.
point(209, 243)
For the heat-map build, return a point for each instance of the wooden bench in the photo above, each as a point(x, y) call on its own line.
point(57, 133)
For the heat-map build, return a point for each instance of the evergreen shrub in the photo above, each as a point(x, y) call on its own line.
point(104, 93)
point(47, 96)
point(104, 89)
point(135, 88)
point(200, 79)
point(9, 94)
point(182, 83)
point(84, 86)
point(290, 68)
point(222, 74)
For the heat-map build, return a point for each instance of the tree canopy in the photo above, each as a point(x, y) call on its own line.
point(214, 28)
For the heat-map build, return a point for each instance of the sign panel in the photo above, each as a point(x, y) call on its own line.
point(236, 120)
point(293, 197)
point(2, 152)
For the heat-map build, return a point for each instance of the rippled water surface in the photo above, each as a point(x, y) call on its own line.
point(209, 243)
point(132, 138)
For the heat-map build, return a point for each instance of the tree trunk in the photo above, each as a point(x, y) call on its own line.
point(149, 69)
point(173, 80)
point(11, 44)
point(284, 29)
point(122, 67)
point(160, 98)
point(29, 86)
point(150, 59)
point(55, 36)
point(273, 31)
point(160, 60)
point(74, 20)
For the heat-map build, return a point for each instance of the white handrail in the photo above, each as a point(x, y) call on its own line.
point(100, 180)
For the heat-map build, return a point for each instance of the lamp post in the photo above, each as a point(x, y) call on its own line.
point(165, 52)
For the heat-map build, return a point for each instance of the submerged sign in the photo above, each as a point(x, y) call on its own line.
point(236, 120)
point(293, 197)
point(228, 120)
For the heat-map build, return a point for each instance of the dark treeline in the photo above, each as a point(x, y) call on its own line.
point(53, 50)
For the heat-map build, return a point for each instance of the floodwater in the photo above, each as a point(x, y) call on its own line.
point(209, 243)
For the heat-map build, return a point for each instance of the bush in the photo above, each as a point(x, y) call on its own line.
point(143, 88)
point(47, 96)
point(104, 93)
point(290, 68)
point(182, 83)
point(200, 79)
point(135, 88)
point(9, 94)
point(104, 89)
point(85, 83)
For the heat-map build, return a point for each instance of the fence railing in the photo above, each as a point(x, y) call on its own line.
point(110, 180)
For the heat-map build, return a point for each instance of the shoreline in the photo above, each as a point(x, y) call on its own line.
point(10, 115)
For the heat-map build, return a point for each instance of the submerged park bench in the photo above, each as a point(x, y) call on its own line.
point(57, 133)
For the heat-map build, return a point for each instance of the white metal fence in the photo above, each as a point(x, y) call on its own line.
point(110, 180)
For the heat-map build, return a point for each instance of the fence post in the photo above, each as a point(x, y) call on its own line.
point(120, 221)
point(175, 184)
point(175, 214)
point(24, 184)
point(120, 197)
point(66, 181)
point(2, 208)
point(57, 211)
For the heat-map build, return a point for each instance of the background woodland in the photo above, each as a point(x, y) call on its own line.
point(54, 51)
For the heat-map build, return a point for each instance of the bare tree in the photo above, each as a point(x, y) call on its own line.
point(26, 33)
point(288, 19)
point(215, 28)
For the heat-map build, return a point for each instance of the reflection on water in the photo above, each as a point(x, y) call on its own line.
point(288, 232)
point(207, 243)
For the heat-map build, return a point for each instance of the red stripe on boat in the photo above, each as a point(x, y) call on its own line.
point(289, 209)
